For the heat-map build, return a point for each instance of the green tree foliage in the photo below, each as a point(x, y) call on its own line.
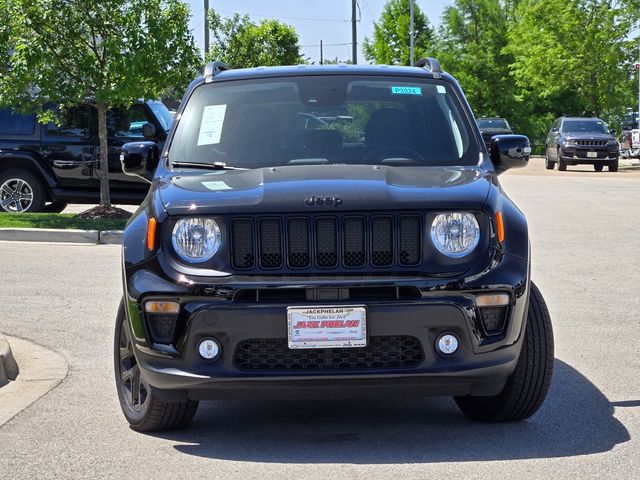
point(390, 43)
point(470, 46)
point(575, 53)
point(110, 52)
point(242, 43)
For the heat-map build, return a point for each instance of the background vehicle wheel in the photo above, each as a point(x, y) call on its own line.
point(561, 165)
point(54, 207)
point(143, 411)
point(20, 192)
point(598, 168)
point(528, 385)
point(549, 165)
point(613, 166)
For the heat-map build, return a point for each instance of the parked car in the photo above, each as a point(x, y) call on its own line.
point(271, 259)
point(490, 126)
point(578, 140)
point(44, 167)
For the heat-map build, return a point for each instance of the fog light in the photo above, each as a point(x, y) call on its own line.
point(208, 349)
point(448, 344)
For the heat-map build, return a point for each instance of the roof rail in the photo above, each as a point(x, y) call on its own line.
point(214, 68)
point(430, 64)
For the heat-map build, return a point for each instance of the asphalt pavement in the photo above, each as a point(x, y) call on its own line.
point(585, 234)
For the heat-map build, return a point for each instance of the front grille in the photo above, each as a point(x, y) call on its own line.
point(301, 242)
point(401, 351)
point(591, 143)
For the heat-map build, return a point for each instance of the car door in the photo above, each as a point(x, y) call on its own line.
point(70, 147)
point(125, 125)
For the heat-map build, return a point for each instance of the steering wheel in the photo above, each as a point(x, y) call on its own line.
point(381, 154)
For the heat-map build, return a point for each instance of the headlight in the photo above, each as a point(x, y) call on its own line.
point(196, 239)
point(455, 234)
point(571, 143)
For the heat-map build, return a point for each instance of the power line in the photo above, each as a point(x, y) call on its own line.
point(302, 19)
point(326, 45)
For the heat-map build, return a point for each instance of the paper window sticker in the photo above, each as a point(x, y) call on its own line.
point(211, 124)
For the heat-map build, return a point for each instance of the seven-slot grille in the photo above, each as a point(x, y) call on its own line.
point(326, 242)
point(591, 143)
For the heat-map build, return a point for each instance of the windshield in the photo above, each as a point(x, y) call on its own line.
point(163, 114)
point(495, 123)
point(584, 126)
point(324, 120)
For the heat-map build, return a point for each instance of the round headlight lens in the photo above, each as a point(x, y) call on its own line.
point(455, 234)
point(196, 239)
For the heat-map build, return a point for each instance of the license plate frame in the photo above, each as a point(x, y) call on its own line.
point(347, 330)
point(592, 154)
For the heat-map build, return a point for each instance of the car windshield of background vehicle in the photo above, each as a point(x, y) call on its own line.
point(162, 113)
point(584, 126)
point(315, 120)
point(493, 123)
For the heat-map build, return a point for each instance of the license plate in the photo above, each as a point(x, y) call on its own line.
point(327, 327)
point(592, 154)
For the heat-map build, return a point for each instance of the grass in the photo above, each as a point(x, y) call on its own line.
point(57, 220)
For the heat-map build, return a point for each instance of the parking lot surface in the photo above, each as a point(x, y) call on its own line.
point(585, 232)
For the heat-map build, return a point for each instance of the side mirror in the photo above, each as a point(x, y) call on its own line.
point(140, 159)
point(509, 151)
point(148, 130)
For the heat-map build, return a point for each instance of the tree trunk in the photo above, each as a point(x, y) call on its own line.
point(105, 197)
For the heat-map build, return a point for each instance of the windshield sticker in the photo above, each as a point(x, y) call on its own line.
point(406, 90)
point(211, 125)
point(441, 89)
point(218, 185)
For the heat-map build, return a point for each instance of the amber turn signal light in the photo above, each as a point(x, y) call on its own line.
point(161, 307)
point(499, 227)
point(151, 234)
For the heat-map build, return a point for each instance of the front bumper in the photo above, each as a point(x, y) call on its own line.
point(480, 366)
point(580, 155)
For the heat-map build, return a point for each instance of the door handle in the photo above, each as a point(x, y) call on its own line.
point(66, 163)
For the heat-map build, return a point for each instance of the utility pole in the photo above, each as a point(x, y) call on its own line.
point(206, 29)
point(354, 40)
point(411, 33)
point(321, 59)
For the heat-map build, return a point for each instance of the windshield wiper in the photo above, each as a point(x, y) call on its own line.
point(213, 166)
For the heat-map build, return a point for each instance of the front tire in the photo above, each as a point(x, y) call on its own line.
point(562, 166)
point(598, 168)
point(528, 385)
point(143, 411)
point(613, 166)
point(21, 192)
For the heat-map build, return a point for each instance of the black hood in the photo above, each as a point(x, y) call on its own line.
point(350, 188)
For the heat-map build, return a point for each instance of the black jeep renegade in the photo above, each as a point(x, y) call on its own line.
point(328, 231)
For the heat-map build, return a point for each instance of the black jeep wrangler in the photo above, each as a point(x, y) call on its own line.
point(279, 257)
point(44, 167)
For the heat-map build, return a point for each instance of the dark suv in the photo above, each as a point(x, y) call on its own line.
point(44, 167)
point(490, 126)
point(377, 256)
point(577, 140)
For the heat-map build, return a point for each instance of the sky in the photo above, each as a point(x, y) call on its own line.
point(314, 20)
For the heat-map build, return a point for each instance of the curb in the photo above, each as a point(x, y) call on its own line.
point(41, 370)
point(8, 367)
point(112, 237)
